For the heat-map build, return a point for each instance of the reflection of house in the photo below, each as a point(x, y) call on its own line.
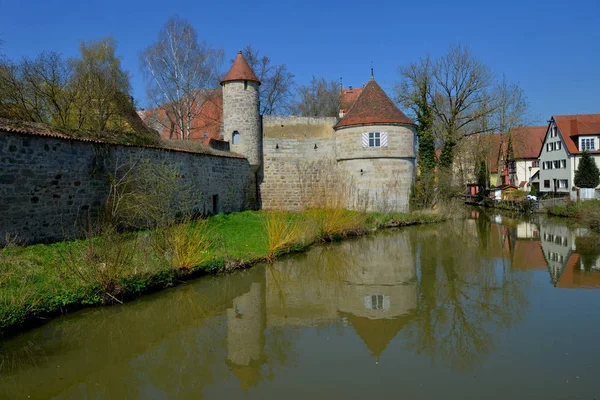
point(574, 275)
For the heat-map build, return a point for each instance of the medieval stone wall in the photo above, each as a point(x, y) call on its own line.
point(296, 151)
point(49, 185)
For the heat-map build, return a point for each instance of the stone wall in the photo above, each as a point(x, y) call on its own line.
point(48, 185)
point(290, 158)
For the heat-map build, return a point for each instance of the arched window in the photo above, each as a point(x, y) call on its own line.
point(235, 138)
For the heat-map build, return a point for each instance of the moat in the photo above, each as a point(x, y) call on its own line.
point(486, 307)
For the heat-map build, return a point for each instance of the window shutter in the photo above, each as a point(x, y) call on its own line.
point(384, 139)
point(365, 140)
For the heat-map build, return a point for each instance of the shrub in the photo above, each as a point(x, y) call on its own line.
point(282, 230)
point(103, 262)
point(184, 245)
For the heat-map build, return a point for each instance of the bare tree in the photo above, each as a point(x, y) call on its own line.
point(276, 82)
point(460, 97)
point(176, 67)
point(321, 98)
point(38, 90)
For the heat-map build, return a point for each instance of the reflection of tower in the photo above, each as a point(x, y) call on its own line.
point(380, 295)
point(245, 335)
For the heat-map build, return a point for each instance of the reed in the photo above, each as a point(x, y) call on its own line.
point(282, 230)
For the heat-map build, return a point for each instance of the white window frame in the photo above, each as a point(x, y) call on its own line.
point(588, 144)
point(374, 139)
point(563, 183)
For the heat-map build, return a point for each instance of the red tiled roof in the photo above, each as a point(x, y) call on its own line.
point(528, 254)
point(527, 141)
point(572, 126)
point(240, 71)
point(373, 107)
point(574, 278)
point(348, 98)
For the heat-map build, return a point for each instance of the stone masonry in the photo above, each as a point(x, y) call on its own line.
point(49, 186)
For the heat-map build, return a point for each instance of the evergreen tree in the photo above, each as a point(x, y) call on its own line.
point(587, 174)
point(482, 178)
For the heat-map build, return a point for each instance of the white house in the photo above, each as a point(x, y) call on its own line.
point(567, 136)
point(526, 145)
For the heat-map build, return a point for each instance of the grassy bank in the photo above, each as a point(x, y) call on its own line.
point(40, 281)
point(585, 212)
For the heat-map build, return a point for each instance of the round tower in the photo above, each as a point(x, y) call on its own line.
point(375, 148)
point(241, 116)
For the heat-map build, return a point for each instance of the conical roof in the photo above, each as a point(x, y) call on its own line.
point(373, 107)
point(240, 71)
point(377, 333)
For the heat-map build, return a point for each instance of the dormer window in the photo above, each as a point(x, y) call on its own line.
point(374, 139)
point(587, 144)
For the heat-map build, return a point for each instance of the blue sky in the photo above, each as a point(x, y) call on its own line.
point(551, 48)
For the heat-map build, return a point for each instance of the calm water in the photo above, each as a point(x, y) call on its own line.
point(486, 307)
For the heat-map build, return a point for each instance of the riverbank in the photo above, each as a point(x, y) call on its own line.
point(584, 212)
point(42, 281)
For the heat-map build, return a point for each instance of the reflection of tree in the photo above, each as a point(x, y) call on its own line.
point(464, 296)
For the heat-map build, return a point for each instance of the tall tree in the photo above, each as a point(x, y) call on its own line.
point(414, 92)
point(276, 82)
point(100, 84)
point(320, 98)
point(176, 66)
point(587, 174)
point(38, 90)
point(460, 97)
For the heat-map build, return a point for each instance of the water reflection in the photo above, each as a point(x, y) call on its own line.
point(442, 292)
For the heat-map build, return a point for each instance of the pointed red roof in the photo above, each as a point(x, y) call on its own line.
point(527, 141)
point(373, 107)
point(240, 71)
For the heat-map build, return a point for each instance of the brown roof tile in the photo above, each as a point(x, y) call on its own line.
point(240, 71)
point(572, 126)
point(527, 141)
point(373, 107)
point(348, 97)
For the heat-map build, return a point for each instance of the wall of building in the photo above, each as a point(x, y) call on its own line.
point(49, 186)
point(553, 175)
point(525, 170)
point(381, 177)
point(291, 163)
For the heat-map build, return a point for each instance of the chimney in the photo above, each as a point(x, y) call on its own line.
point(574, 127)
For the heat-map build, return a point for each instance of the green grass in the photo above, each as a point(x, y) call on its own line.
point(585, 212)
point(39, 281)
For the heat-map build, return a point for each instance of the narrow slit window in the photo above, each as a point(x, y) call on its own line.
point(235, 137)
